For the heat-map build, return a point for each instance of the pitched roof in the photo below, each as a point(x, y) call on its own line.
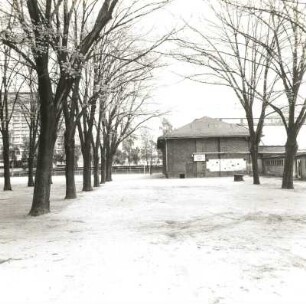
point(271, 149)
point(208, 127)
point(277, 151)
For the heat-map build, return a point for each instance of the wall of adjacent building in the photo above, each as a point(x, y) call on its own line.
point(273, 166)
point(301, 166)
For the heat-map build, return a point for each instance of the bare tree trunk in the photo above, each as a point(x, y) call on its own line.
point(96, 167)
point(254, 158)
point(109, 164)
point(87, 166)
point(109, 171)
point(86, 149)
point(42, 187)
point(95, 150)
point(71, 123)
point(291, 150)
point(6, 160)
point(103, 165)
point(30, 170)
point(47, 138)
point(31, 157)
point(70, 165)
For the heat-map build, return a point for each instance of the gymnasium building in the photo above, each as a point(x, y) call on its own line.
point(210, 147)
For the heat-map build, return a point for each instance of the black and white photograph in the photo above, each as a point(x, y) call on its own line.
point(152, 151)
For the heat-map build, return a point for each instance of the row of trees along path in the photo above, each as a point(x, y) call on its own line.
point(92, 73)
point(85, 68)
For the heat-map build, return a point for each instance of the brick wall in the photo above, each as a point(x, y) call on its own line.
point(180, 155)
point(180, 158)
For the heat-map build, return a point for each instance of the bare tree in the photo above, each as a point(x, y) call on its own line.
point(5, 116)
point(9, 69)
point(126, 114)
point(148, 147)
point(28, 103)
point(113, 42)
point(287, 24)
point(120, 60)
point(45, 28)
point(166, 126)
point(227, 57)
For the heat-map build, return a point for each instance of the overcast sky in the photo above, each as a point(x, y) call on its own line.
point(187, 100)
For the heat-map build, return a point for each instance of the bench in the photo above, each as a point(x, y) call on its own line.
point(238, 177)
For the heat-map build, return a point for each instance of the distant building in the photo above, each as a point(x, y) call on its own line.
point(19, 128)
point(272, 160)
point(206, 147)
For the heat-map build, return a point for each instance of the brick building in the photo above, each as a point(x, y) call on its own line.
point(206, 147)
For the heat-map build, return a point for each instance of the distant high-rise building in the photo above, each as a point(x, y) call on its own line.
point(18, 127)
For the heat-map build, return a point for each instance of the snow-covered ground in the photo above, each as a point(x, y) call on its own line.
point(143, 240)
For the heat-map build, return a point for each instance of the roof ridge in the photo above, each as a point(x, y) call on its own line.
point(209, 127)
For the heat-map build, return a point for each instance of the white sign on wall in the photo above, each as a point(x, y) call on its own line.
point(230, 164)
point(199, 157)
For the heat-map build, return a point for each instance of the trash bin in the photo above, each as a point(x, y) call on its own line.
point(238, 177)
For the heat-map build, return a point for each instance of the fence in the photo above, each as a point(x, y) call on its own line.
point(136, 169)
point(115, 169)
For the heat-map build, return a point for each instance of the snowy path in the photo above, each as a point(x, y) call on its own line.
point(139, 240)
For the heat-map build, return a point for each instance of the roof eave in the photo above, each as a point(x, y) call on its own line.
point(200, 137)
